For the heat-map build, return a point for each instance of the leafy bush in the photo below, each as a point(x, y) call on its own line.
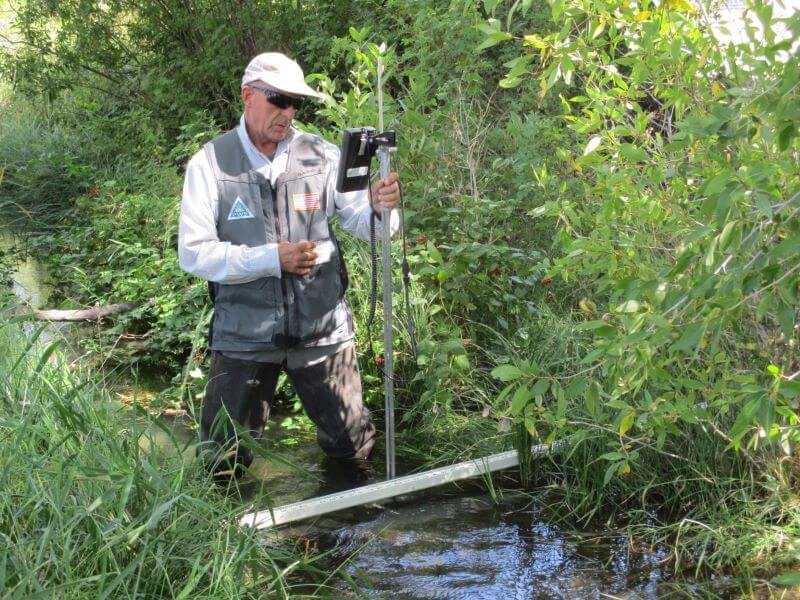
point(145, 56)
point(687, 232)
point(41, 166)
point(681, 246)
point(124, 249)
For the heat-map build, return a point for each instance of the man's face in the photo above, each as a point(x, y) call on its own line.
point(266, 123)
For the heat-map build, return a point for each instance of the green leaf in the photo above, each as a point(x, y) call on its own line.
point(359, 35)
point(788, 247)
point(520, 399)
point(743, 421)
point(590, 325)
point(452, 346)
point(434, 255)
point(615, 455)
point(493, 39)
point(633, 153)
point(561, 399)
point(717, 183)
point(790, 389)
point(489, 27)
point(506, 373)
point(785, 136)
point(593, 356)
point(699, 234)
point(576, 388)
point(510, 82)
point(631, 306)
point(766, 412)
point(786, 293)
point(461, 362)
point(490, 5)
point(709, 258)
point(535, 41)
point(786, 319)
point(763, 204)
point(506, 391)
point(765, 305)
point(786, 579)
point(626, 423)
point(725, 236)
point(46, 355)
point(540, 387)
point(690, 339)
point(592, 399)
point(613, 470)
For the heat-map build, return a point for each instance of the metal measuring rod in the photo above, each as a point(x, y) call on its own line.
point(386, 247)
point(359, 146)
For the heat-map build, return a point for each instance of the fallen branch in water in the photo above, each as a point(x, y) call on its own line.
point(84, 314)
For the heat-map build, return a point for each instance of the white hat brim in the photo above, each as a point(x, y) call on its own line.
point(280, 84)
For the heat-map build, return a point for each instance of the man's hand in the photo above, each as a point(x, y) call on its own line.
point(386, 193)
point(297, 258)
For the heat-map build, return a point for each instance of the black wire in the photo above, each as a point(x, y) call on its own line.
point(373, 295)
point(373, 291)
point(412, 330)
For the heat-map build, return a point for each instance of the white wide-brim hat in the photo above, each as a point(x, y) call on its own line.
point(280, 73)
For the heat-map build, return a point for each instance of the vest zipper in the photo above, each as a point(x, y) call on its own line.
point(279, 227)
point(288, 233)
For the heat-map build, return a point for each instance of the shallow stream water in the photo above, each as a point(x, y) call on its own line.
point(454, 542)
point(459, 542)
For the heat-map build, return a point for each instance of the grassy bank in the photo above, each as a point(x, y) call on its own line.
point(91, 507)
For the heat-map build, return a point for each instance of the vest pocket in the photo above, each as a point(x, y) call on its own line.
point(242, 219)
point(305, 205)
point(248, 312)
point(316, 297)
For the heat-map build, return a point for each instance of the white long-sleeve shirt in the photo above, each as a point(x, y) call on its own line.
point(200, 250)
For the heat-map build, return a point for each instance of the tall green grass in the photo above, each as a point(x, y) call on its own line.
point(92, 507)
point(53, 153)
point(40, 170)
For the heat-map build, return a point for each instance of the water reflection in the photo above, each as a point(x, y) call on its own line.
point(454, 546)
point(29, 278)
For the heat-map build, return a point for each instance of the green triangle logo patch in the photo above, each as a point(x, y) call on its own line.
point(239, 211)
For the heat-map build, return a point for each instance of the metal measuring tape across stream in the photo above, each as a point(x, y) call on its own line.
point(385, 490)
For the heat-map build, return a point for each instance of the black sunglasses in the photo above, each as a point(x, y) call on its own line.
point(279, 100)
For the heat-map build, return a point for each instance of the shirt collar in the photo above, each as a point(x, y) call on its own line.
point(254, 154)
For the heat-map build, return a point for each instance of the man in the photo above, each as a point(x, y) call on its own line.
point(255, 222)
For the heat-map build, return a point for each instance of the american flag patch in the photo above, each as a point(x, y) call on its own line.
point(307, 201)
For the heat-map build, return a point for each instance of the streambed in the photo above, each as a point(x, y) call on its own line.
point(454, 542)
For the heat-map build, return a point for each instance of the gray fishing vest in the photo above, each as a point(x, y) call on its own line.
point(293, 310)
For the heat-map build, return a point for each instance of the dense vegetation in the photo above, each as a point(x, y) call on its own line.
point(93, 507)
point(602, 207)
